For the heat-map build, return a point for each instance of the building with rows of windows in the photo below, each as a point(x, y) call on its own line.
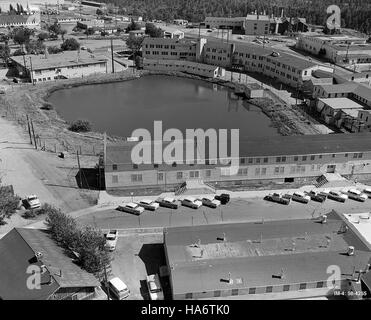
point(280, 66)
point(277, 159)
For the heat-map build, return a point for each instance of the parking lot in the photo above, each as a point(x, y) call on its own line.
point(237, 210)
point(135, 257)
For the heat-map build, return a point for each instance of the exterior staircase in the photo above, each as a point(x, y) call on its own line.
point(193, 186)
point(331, 180)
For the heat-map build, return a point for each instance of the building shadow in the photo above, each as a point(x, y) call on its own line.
point(153, 257)
point(90, 178)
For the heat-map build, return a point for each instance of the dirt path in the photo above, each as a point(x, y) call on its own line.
point(36, 172)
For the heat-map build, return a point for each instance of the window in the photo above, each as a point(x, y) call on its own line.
point(286, 287)
point(155, 165)
point(234, 292)
point(179, 175)
point(217, 293)
point(269, 289)
point(160, 176)
point(114, 167)
point(278, 159)
point(135, 166)
point(312, 157)
point(283, 159)
point(257, 171)
point(320, 284)
point(250, 160)
point(188, 295)
point(257, 160)
point(302, 286)
point(242, 161)
point(304, 158)
point(296, 158)
point(252, 290)
point(115, 179)
point(263, 171)
point(333, 155)
point(136, 178)
point(265, 160)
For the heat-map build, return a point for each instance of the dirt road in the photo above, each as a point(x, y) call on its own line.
point(42, 173)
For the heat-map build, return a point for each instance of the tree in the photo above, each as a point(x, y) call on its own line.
point(22, 35)
point(153, 31)
point(55, 28)
point(4, 52)
point(9, 202)
point(43, 36)
point(89, 32)
point(63, 33)
point(80, 126)
point(70, 44)
point(133, 26)
point(35, 47)
point(54, 49)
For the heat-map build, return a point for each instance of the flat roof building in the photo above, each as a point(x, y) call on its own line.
point(68, 64)
point(270, 260)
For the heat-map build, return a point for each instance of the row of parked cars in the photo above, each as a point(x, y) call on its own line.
point(320, 196)
point(169, 202)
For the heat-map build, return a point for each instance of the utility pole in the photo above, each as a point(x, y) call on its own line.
point(78, 163)
point(29, 129)
point(31, 74)
point(106, 283)
point(113, 64)
point(33, 133)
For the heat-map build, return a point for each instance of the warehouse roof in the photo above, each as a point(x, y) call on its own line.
point(17, 251)
point(255, 254)
point(120, 153)
point(59, 60)
point(346, 87)
point(341, 103)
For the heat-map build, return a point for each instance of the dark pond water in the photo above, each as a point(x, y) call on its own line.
point(120, 108)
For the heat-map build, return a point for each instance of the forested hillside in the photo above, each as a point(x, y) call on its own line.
point(355, 13)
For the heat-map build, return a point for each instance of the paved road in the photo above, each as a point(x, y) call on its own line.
point(237, 210)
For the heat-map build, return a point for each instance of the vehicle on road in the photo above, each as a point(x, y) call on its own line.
point(154, 287)
point(276, 197)
point(111, 240)
point(357, 195)
point(149, 204)
point(210, 202)
point(167, 203)
point(131, 208)
point(337, 196)
point(191, 202)
point(118, 288)
point(299, 196)
point(224, 198)
point(32, 202)
point(317, 196)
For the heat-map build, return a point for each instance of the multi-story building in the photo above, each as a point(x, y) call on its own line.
point(172, 49)
point(252, 24)
point(68, 64)
point(286, 68)
point(5, 5)
point(339, 49)
point(261, 160)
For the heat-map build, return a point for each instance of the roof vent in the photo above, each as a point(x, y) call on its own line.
point(38, 255)
point(350, 251)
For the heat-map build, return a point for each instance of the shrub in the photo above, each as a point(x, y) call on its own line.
point(80, 126)
point(8, 203)
point(46, 106)
point(70, 44)
point(54, 49)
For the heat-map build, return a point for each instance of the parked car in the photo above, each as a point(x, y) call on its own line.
point(299, 196)
point(167, 203)
point(224, 198)
point(368, 192)
point(210, 202)
point(149, 204)
point(191, 202)
point(357, 195)
point(276, 197)
point(317, 196)
point(337, 196)
point(154, 287)
point(32, 202)
point(119, 288)
point(111, 240)
point(131, 208)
